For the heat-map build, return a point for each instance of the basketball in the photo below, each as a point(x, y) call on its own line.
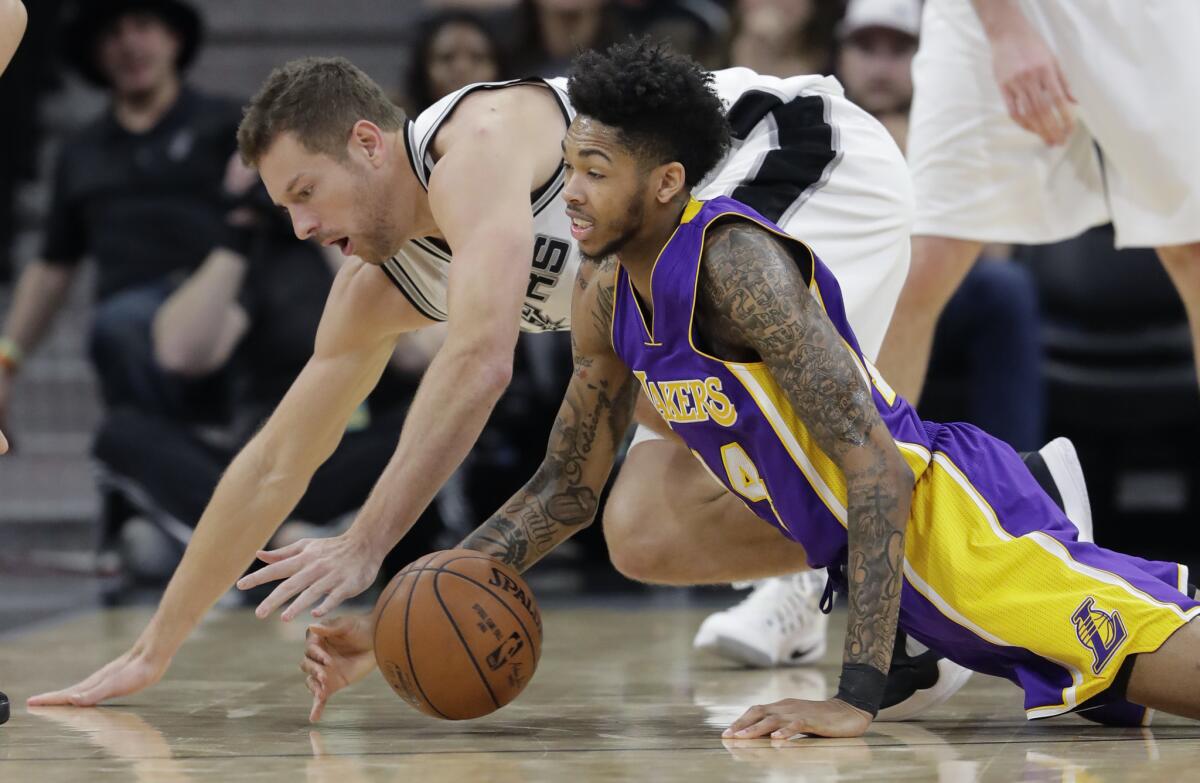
point(458, 635)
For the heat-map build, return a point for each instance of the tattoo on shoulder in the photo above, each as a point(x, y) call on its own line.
point(752, 289)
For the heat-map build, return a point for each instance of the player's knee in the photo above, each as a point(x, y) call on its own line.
point(633, 546)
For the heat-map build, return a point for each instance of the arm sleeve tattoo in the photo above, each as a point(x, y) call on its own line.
point(562, 496)
point(752, 289)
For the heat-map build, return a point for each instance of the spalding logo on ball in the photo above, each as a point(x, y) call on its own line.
point(458, 635)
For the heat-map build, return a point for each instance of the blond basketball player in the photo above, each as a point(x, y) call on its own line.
point(1032, 121)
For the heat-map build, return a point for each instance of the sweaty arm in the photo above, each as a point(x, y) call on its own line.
point(264, 482)
point(752, 290)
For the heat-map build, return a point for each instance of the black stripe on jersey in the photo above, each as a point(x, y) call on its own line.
point(435, 248)
point(749, 110)
point(546, 194)
point(414, 159)
point(803, 161)
point(411, 291)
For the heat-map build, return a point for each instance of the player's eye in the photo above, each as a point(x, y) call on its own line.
point(595, 175)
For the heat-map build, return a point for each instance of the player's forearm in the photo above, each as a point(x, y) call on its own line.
point(40, 293)
point(192, 329)
point(879, 500)
point(12, 27)
point(447, 415)
point(253, 497)
point(1000, 17)
point(544, 513)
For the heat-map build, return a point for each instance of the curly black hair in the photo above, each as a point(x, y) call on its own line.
point(662, 103)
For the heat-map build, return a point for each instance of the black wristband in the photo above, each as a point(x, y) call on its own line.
point(862, 686)
point(239, 239)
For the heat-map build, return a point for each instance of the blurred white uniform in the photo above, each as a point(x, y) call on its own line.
point(1134, 158)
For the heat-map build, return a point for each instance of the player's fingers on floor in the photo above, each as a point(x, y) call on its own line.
point(50, 698)
point(307, 598)
point(318, 708)
point(748, 718)
point(762, 728)
point(792, 728)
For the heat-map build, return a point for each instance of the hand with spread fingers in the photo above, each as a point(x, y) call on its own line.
point(127, 674)
point(336, 654)
point(334, 568)
point(787, 718)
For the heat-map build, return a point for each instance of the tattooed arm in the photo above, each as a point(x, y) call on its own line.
point(561, 497)
point(753, 293)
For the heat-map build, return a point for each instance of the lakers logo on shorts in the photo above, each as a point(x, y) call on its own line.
point(1101, 632)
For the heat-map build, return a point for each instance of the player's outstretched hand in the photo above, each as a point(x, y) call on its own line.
point(128, 674)
point(1035, 90)
point(336, 654)
point(787, 718)
point(3, 444)
point(336, 568)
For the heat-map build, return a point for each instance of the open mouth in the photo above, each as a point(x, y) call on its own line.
point(346, 246)
point(580, 227)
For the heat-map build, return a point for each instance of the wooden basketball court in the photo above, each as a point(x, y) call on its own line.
point(619, 696)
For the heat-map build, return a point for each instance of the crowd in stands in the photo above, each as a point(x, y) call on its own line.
point(206, 305)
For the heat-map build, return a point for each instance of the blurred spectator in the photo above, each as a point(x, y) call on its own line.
point(551, 32)
point(698, 28)
point(877, 44)
point(138, 190)
point(986, 365)
point(253, 312)
point(453, 49)
point(785, 37)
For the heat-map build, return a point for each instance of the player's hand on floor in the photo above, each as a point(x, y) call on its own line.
point(336, 654)
point(128, 674)
point(1035, 90)
point(785, 719)
point(334, 568)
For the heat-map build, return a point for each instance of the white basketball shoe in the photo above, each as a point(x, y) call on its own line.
point(778, 624)
point(1063, 465)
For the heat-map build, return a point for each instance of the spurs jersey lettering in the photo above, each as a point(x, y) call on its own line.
point(733, 415)
point(421, 270)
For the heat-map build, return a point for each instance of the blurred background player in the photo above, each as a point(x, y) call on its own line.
point(12, 28)
point(1032, 122)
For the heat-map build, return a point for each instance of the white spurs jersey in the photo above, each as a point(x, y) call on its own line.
point(421, 270)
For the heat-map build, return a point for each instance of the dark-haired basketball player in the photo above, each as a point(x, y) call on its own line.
point(477, 177)
point(936, 529)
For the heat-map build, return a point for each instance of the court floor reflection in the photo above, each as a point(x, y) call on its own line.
point(619, 696)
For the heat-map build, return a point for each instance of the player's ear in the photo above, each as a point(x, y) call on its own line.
point(366, 141)
point(671, 180)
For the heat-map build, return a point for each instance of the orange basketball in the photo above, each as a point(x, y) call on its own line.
point(459, 634)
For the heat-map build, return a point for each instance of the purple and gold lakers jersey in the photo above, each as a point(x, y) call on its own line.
point(995, 577)
point(733, 415)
